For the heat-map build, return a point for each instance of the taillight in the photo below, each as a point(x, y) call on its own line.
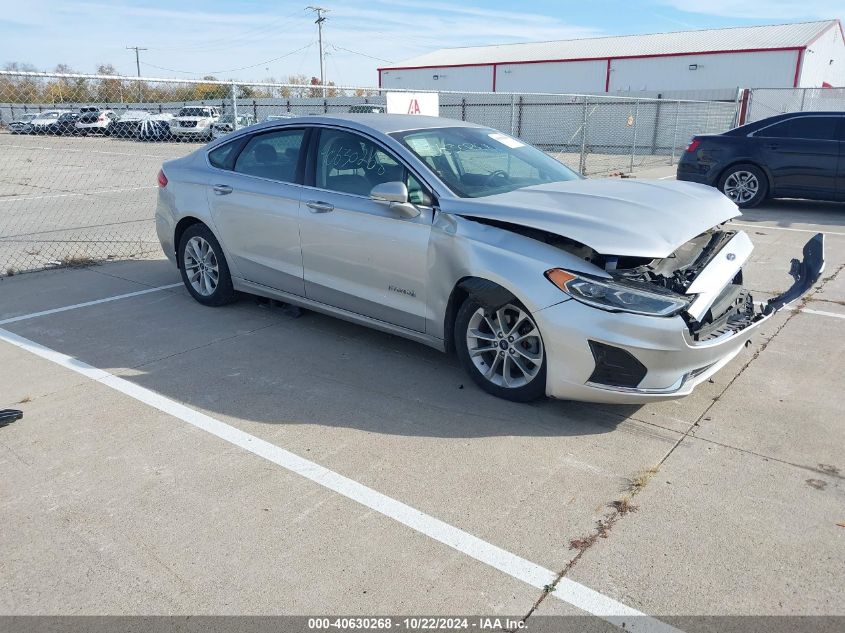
point(162, 179)
point(694, 143)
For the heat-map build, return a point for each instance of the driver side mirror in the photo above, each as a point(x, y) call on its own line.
point(396, 195)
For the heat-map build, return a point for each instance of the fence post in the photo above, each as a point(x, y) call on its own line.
point(519, 118)
point(288, 105)
point(255, 110)
point(582, 162)
point(675, 133)
point(463, 109)
point(707, 119)
point(325, 105)
point(634, 140)
point(235, 105)
point(513, 113)
point(803, 96)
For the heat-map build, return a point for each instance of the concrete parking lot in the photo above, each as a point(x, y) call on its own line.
point(176, 459)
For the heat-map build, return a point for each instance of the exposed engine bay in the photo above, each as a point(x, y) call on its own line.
point(730, 311)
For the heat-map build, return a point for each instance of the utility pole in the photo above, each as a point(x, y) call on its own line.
point(319, 22)
point(138, 67)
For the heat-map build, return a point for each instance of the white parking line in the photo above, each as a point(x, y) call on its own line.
point(81, 193)
point(823, 313)
point(783, 228)
point(26, 317)
point(539, 577)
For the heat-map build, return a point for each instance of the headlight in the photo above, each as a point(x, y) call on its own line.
point(616, 296)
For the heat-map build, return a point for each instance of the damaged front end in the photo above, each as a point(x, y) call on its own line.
point(701, 282)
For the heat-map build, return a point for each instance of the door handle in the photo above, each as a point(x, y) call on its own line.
point(222, 190)
point(319, 207)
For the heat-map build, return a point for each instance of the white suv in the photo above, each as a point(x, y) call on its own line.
point(195, 122)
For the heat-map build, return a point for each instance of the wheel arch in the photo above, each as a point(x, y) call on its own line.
point(181, 226)
point(483, 290)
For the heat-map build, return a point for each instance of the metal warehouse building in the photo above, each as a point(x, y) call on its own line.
point(809, 54)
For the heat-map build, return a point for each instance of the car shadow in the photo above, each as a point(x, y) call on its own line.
point(787, 213)
point(248, 361)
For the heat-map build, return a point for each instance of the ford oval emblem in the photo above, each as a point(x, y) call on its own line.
point(731, 257)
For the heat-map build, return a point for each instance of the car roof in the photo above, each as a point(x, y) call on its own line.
point(382, 123)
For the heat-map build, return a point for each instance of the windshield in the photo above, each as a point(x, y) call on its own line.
point(194, 112)
point(476, 162)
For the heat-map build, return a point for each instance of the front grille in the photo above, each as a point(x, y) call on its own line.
point(615, 367)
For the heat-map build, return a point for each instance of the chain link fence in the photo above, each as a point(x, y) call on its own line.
point(79, 153)
point(766, 102)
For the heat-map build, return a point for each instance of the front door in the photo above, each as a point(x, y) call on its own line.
point(359, 254)
point(255, 206)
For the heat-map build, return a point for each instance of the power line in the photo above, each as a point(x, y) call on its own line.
point(231, 70)
point(349, 50)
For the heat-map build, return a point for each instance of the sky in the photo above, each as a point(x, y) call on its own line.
point(258, 39)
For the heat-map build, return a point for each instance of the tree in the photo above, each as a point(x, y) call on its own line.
point(19, 89)
point(108, 89)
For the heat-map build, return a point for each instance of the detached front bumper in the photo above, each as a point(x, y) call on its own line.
point(616, 357)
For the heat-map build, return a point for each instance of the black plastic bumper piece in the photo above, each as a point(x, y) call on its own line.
point(7, 416)
point(615, 367)
point(806, 273)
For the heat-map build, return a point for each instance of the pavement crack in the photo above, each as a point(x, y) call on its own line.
point(636, 484)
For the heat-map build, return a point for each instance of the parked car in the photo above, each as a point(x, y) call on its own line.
point(367, 108)
point(22, 123)
point(156, 127)
point(227, 124)
point(194, 122)
point(96, 121)
point(44, 119)
point(63, 125)
point(463, 238)
point(795, 155)
point(129, 124)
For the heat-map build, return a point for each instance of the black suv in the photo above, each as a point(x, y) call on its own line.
point(795, 155)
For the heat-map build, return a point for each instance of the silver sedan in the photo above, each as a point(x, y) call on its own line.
point(473, 242)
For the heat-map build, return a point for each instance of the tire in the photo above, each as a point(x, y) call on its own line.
point(200, 260)
point(745, 184)
point(520, 363)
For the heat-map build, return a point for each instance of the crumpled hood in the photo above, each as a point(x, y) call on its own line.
point(633, 218)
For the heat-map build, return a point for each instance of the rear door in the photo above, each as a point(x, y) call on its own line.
point(802, 154)
point(254, 201)
point(840, 172)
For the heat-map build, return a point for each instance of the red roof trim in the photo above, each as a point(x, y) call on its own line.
point(798, 67)
point(596, 59)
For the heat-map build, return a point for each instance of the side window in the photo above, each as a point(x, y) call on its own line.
point(814, 127)
point(778, 130)
point(221, 157)
point(350, 163)
point(273, 155)
point(804, 127)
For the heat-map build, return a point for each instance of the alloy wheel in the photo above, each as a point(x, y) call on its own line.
point(201, 266)
point(505, 346)
point(741, 186)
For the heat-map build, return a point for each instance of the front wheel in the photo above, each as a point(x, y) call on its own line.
point(502, 350)
point(205, 272)
point(746, 185)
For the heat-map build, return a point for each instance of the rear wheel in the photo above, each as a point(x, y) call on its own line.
point(203, 266)
point(745, 184)
point(502, 350)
